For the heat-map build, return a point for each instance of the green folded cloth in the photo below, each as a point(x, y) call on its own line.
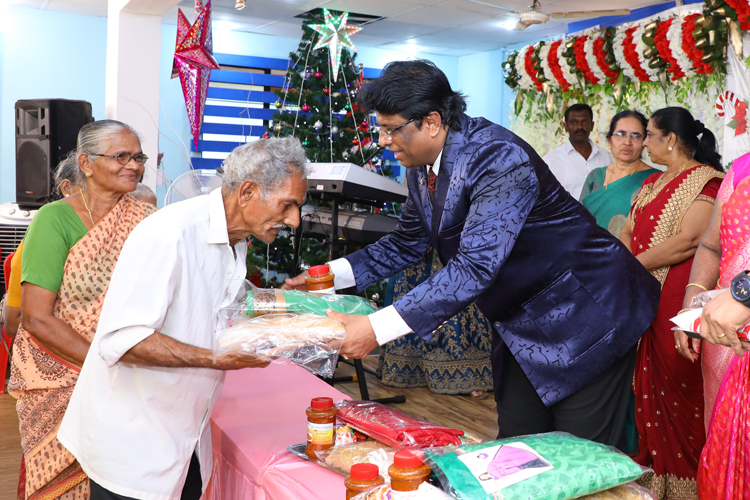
point(552, 466)
point(268, 300)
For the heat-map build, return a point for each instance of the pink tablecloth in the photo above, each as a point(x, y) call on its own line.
point(260, 413)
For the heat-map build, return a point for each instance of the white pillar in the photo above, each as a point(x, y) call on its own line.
point(133, 71)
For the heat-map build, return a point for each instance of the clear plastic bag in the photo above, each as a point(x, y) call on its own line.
point(341, 458)
point(690, 321)
point(549, 466)
point(426, 491)
point(310, 341)
point(393, 427)
point(627, 491)
point(261, 301)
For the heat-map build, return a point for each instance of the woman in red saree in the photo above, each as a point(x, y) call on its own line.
point(723, 466)
point(70, 251)
point(666, 222)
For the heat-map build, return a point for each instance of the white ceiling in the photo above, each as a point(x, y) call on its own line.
point(446, 27)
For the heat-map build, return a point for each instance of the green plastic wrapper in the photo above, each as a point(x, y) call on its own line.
point(551, 466)
point(269, 300)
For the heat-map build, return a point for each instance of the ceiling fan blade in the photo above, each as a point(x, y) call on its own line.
point(521, 26)
point(589, 13)
point(491, 5)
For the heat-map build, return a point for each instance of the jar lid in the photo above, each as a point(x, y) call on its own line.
point(364, 472)
point(321, 403)
point(408, 458)
point(318, 270)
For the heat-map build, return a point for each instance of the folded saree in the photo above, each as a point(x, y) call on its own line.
point(395, 428)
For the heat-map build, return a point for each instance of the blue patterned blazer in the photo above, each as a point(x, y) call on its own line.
point(564, 296)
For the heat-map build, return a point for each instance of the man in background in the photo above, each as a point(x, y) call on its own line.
point(572, 162)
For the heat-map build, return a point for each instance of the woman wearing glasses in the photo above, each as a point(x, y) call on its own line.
point(609, 191)
point(665, 225)
point(70, 251)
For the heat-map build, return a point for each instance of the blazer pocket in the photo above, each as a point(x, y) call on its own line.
point(567, 315)
point(452, 231)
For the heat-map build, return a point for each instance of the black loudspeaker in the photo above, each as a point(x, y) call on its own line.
point(46, 131)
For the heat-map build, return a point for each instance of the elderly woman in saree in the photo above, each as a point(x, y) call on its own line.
point(70, 251)
point(665, 225)
point(608, 192)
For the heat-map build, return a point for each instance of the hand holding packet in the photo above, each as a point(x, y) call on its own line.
point(690, 321)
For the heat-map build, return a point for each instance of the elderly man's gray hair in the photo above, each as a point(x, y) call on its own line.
point(266, 162)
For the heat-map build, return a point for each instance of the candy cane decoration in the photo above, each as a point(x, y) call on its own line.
point(725, 96)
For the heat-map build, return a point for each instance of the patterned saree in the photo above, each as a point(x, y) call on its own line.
point(42, 382)
point(725, 461)
point(668, 388)
point(455, 361)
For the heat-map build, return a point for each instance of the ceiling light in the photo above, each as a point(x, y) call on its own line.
point(509, 24)
point(239, 5)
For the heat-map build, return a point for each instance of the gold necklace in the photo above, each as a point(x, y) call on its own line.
point(87, 209)
point(612, 173)
point(649, 196)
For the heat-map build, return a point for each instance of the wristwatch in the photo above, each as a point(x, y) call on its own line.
point(741, 288)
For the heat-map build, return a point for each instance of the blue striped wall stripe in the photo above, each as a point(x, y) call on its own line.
point(226, 129)
point(251, 62)
point(242, 95)
point(227, 76)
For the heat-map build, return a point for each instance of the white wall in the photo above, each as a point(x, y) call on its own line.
point(46, 55)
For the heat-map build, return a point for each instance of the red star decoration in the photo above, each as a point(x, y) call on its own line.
point(193, 62)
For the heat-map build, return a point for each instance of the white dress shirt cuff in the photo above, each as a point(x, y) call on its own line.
point(114, 345)
point(343, 275)
point(388, 325)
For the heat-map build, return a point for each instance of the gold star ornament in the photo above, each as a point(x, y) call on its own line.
point(334, 34)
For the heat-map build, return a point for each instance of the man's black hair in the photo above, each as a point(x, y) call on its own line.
point(413, 89)
point(579, 107)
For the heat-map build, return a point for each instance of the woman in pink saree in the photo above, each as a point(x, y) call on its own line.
point(723, 253)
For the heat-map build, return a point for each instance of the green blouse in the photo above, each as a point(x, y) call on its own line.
point(55, 229)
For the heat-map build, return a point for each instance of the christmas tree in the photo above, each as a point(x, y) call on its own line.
point(317, 103)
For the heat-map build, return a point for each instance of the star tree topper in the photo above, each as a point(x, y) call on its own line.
point(193, 62)
point(334, 34)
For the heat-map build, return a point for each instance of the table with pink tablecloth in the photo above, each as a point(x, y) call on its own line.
point(259, 414)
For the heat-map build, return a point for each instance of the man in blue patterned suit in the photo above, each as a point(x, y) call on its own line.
point(567, 300)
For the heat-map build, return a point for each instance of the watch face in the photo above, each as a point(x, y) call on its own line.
point(741, 289)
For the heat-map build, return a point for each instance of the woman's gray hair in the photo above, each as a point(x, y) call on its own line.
point(266, 162)
point(68, 169)
point(92, 135)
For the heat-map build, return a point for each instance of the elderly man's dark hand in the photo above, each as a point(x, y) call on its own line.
point(360, 337)
point(239, 360)
point(722, 317)
point(296, 283)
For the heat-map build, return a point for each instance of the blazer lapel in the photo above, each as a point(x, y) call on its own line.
point(444, 179)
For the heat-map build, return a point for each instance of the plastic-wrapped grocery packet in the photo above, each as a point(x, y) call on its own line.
point(310, 341)
point(690, 321)
point(269, 300)
point(426, 491)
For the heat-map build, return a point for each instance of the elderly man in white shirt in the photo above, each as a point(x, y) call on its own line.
point(572, 161)
point(138, 419)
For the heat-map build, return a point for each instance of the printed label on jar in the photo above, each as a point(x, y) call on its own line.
point(319, 433)
point(324, 291)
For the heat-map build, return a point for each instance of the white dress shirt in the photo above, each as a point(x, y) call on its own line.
point(571, 169)
point(133, 428)
point(387, 323)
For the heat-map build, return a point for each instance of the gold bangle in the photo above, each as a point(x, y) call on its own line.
point(696, 284)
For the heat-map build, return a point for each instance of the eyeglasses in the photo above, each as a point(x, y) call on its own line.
point(635, 136)
point(124, 158)
point(390, 132)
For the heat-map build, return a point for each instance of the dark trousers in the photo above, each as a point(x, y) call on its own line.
point(596, 412)
point(191, 491)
